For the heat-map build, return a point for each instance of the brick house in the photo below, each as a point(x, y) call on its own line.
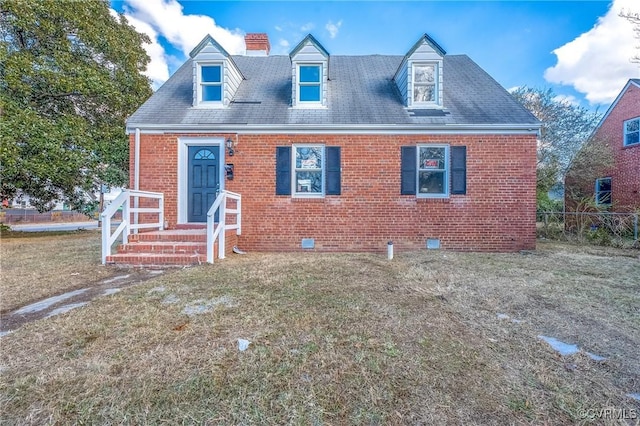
point(341, 153)
point(616, 189)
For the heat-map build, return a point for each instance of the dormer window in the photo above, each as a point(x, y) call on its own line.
point(420, 75)
point(310, 83)
point(210, 83)
point(425, 83)
point(310, 74)
point(216, 77)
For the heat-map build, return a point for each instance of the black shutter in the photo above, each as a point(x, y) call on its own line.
point(333, 170)
point(458, 169)
point(408, 170)
point(283, 170)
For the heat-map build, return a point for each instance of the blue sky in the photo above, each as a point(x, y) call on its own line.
point(581, 49)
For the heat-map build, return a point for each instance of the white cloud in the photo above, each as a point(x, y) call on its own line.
point(166, 19)
point(157, 68)
point(597, 62)
point(307, 27)
point(567, 99)
point(333, 28)
point(278, 28)
point(282, 47)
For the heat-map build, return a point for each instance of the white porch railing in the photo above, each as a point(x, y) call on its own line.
point(127, 225)
point(218, 232)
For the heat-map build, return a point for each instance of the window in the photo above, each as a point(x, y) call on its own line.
point(210, 83)
point(307, 176)
point(308, 170)
point(603, 192)
point(310, 83)
point(204, 154)
point(433, 171)
point(425, 87)
point(632, 132)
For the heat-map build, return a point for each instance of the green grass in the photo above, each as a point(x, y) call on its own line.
point(341, 339)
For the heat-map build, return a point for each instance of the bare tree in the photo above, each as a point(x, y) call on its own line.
point(565, 127)
point(592, 161)
point(634, 18)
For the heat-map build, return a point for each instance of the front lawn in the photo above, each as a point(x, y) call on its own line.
point(432, 337)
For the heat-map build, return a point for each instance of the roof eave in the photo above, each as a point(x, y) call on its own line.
point(526, 128)
point(314, 42)
point(635, 82)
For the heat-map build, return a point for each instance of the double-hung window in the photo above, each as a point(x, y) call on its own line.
point(632, 132)
point(308, 171)
point(310, 83)
point(603, 191)
point(210, 79)
point(308, 174)
point(425, 84)
point(433, 171)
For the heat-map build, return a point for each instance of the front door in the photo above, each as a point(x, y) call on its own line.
point(204, 182)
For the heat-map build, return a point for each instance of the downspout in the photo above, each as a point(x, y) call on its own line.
point(136, 161)
point(136, 172)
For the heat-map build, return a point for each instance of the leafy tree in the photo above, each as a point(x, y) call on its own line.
point(70, 74)
point(565, 127)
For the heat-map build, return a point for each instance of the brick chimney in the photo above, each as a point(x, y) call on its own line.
point(257, 44)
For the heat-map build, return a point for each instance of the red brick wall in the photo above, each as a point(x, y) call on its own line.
point(625, 176)
point(496, 214)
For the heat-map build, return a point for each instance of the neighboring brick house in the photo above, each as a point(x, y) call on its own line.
point(342, 153)
point(616, 188)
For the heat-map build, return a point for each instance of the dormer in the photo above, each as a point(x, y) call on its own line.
point(215, 76)
point(310, 74)
point(419, 77)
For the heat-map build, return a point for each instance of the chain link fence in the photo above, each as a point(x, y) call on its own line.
point(603, 228)
point(13, 216)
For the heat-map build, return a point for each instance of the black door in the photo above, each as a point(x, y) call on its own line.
point(203, 181)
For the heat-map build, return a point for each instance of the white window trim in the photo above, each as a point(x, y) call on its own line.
point(596, 192)
point(183, 168)
point(447, 171)
point(624, 132)
point(294, 169)
point(435, 103)
point(300, 102)
point(199, 84)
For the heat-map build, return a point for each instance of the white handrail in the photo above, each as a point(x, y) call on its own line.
point(218, 232)
point(125, 227)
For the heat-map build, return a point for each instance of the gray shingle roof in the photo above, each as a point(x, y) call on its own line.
point(360, 92)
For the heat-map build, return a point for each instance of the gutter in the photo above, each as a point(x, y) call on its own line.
point(243, 128)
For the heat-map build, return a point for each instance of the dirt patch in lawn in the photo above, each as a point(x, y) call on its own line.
point(71, 299)
point(48, 273)
point(431, 337)
point(36, 265)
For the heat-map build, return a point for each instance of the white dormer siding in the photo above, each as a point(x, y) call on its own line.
point(309, 74)
point(420, 75)
point(207, 56)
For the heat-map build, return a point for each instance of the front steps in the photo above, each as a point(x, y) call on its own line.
point(161, 249)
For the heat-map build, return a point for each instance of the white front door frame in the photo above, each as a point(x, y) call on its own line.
point(183, 168)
